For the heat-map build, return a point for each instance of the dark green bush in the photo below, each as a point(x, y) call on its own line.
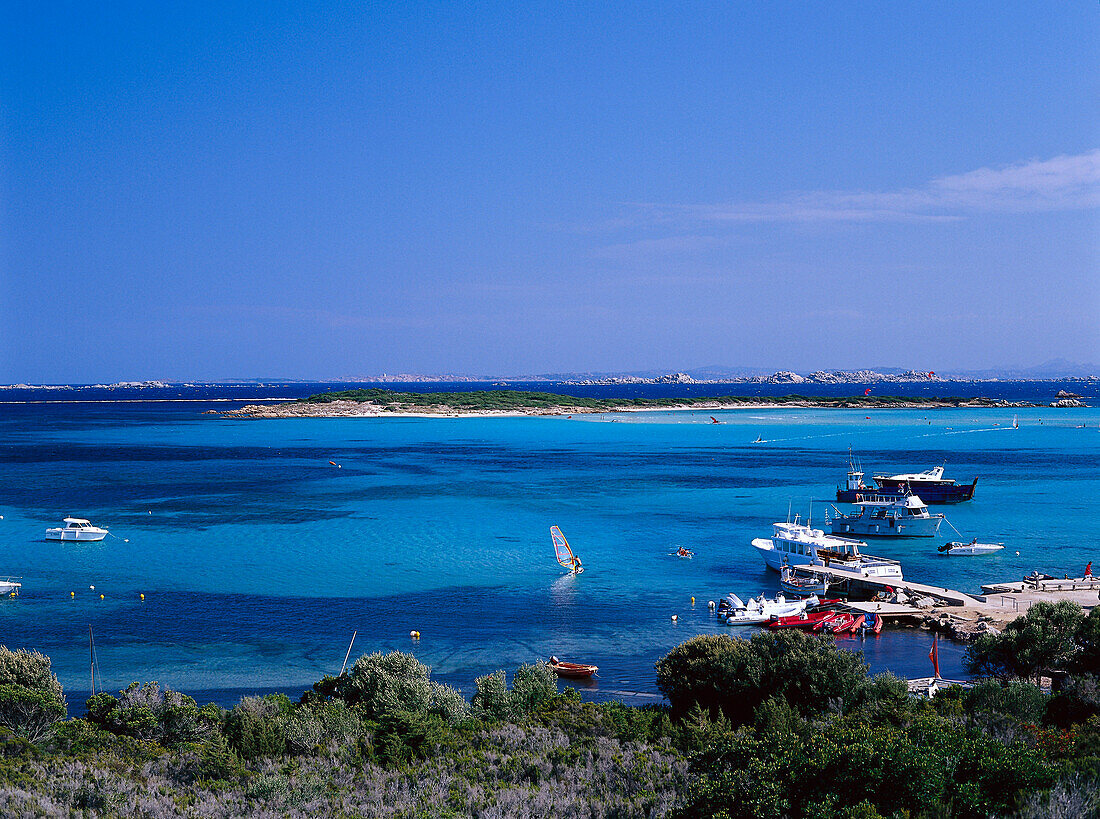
point(256, 727)
point(146, 712)
point(31, 698)
point(719, 672)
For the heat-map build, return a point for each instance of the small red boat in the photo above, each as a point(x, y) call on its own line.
point(873, 623)
point(857, 624)
point(806, 620)
point(573, 671)
point(839, 623)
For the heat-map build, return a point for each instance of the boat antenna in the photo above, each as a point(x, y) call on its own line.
point(345, 665)
point(788, 510)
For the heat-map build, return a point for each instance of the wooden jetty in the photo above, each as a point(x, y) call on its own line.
point(855, 581)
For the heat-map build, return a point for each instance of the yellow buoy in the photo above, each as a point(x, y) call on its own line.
point(415, 635)
point(101, 597)
point(143, 597)
point(72, 594)
point(693, 601)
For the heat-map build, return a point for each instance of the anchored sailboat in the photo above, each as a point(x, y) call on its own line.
point(564, 554)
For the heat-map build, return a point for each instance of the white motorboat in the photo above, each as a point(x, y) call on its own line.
point(795, 544)
point(887, 516)
point(8, 586)
point(956, 547)
point(76, 529)
point(760, 610)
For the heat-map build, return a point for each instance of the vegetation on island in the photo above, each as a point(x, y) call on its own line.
point(779, 725)
point(521, 401)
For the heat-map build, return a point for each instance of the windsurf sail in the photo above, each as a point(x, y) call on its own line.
point(562, 550)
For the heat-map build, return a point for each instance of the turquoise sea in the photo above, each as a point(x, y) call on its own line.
point(258, 559)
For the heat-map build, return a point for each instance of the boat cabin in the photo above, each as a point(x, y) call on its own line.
point(77, 523)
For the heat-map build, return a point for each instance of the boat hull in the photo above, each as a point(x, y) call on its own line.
point(927, 492)
point(912, 527)
point(574, 671)
point(84, 536)
point(973, 549)
point(776, 559)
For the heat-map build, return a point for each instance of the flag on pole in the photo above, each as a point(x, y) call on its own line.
point(934, 655)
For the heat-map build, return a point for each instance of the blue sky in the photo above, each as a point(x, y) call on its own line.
point(315, 190)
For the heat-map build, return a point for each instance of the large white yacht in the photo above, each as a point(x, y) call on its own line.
point(76, 529)
point(795, 544)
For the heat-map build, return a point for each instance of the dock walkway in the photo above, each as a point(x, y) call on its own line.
point(835, 575)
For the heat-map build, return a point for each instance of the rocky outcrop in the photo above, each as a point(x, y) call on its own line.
point(959, 628)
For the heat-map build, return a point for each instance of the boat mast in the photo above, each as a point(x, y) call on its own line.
point(91, 657)
point(345, 665)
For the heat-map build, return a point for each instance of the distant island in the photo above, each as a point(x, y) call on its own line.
point(381, 402)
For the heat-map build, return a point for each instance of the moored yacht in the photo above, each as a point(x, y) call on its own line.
point(887, 516)
point(76, 529)
point(795, 544)
point(930, 485)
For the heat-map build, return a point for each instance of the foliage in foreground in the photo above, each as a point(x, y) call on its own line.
point(781, 725)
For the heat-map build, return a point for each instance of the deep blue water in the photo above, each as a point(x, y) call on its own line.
point(258, 559)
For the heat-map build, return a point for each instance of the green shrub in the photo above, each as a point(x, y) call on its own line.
point(735, 675)
point(379, 684)
point(491, 699)
point(324, 727)
point(31, 698)
point(402, 736)
point(1041, 641)
point(532, 686)
point(149, 713)
point(256, 727)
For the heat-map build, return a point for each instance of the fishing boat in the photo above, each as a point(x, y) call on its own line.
point(930, 485)
point(887, 516)
point(795, 544)
point(564, 554)
point(573, 671)
point(76, 529)
point(955, 547)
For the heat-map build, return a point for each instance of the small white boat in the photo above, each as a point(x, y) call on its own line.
point(8, 586)
point(760, 610)
point(956, 547)
point(76, 529)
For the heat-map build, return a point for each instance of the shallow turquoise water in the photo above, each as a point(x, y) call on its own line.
point(259, 559)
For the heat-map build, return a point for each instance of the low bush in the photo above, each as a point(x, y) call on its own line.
point(31, 698)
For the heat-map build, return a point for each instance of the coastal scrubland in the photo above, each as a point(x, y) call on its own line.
point(521, 400)
point(779, 725)
point(377, 401)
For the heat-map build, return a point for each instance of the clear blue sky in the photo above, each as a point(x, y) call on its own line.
point(199, 190)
